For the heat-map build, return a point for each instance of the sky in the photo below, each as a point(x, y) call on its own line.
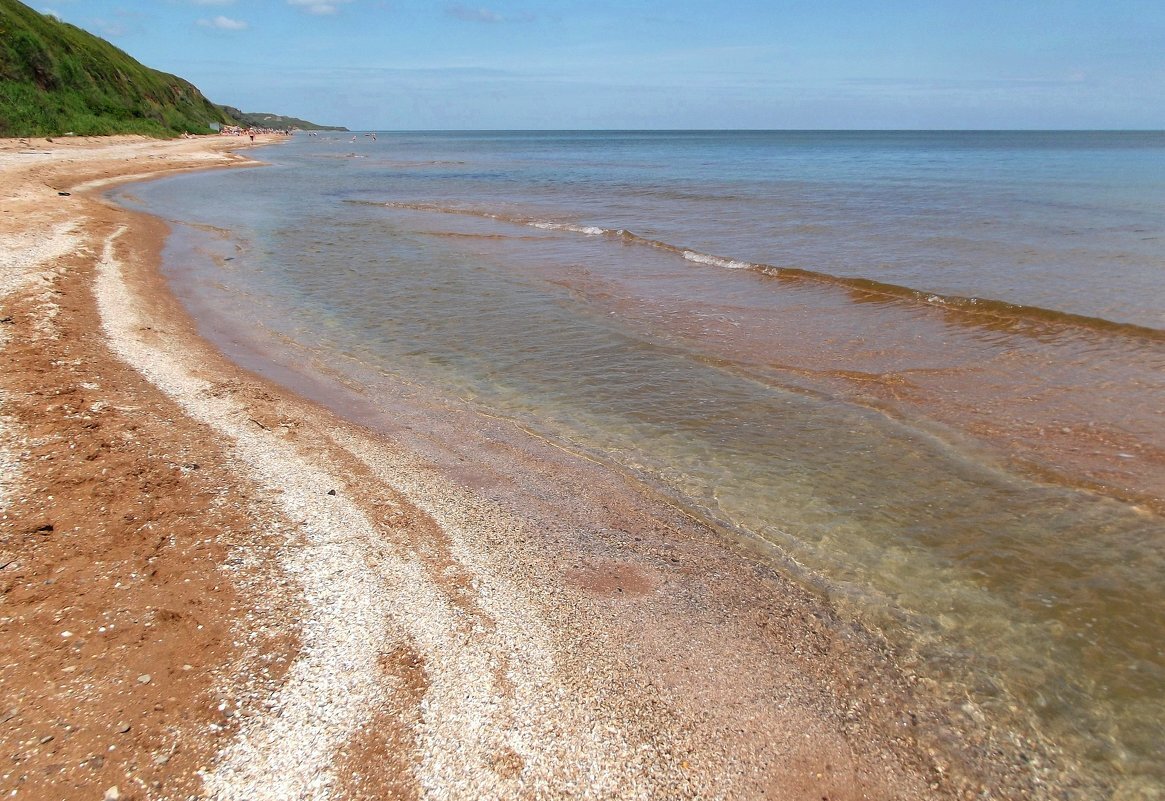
point(651, 64)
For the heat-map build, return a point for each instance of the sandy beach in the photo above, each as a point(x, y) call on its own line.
point(214, 588)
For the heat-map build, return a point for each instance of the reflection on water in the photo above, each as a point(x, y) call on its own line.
point(983, 483)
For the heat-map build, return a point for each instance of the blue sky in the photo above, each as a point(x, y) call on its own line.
point(401, 64)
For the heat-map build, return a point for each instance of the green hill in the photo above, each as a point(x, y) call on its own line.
point(55, 78)
point(278, 121)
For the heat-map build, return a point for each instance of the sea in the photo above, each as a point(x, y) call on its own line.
point(923, 373)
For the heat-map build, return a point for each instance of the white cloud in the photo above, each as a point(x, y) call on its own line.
point(487, 15)
point(222, 23)
point(319, 7)
point(474, 14)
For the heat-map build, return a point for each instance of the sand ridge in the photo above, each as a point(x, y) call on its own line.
point(317, 613)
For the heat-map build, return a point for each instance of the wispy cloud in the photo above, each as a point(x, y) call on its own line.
point(474, 14)
point(221, 23)
point(113, 30)
point(319, 7)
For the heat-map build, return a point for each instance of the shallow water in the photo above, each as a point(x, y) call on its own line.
point(925, 370)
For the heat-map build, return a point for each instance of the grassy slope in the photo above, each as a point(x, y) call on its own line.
point(56, 78)
point(264, 120)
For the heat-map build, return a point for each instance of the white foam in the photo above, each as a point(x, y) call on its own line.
point(589, 230)
point(716, 261)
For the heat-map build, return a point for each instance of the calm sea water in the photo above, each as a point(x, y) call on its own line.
point(927, 370)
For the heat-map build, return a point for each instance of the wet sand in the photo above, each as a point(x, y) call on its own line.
point(213, 587)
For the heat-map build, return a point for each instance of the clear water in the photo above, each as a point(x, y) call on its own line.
point(927, 369)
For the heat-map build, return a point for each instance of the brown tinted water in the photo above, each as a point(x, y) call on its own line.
point(982, 480)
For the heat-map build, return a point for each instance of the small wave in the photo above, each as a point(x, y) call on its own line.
point(868, 287)
point(716, 261)
point(532, 222)
point(589, 230)
point(622, 234)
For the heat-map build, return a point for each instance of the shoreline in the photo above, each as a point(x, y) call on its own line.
point(356, 622)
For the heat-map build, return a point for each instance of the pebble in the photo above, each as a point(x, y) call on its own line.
point(144, 678)
point(112, 794)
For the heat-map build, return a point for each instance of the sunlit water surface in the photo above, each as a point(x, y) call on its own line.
point(924, 369)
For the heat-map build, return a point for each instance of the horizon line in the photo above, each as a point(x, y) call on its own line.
point(756, 130)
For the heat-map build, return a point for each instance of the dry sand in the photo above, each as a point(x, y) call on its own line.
point(214, 588)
